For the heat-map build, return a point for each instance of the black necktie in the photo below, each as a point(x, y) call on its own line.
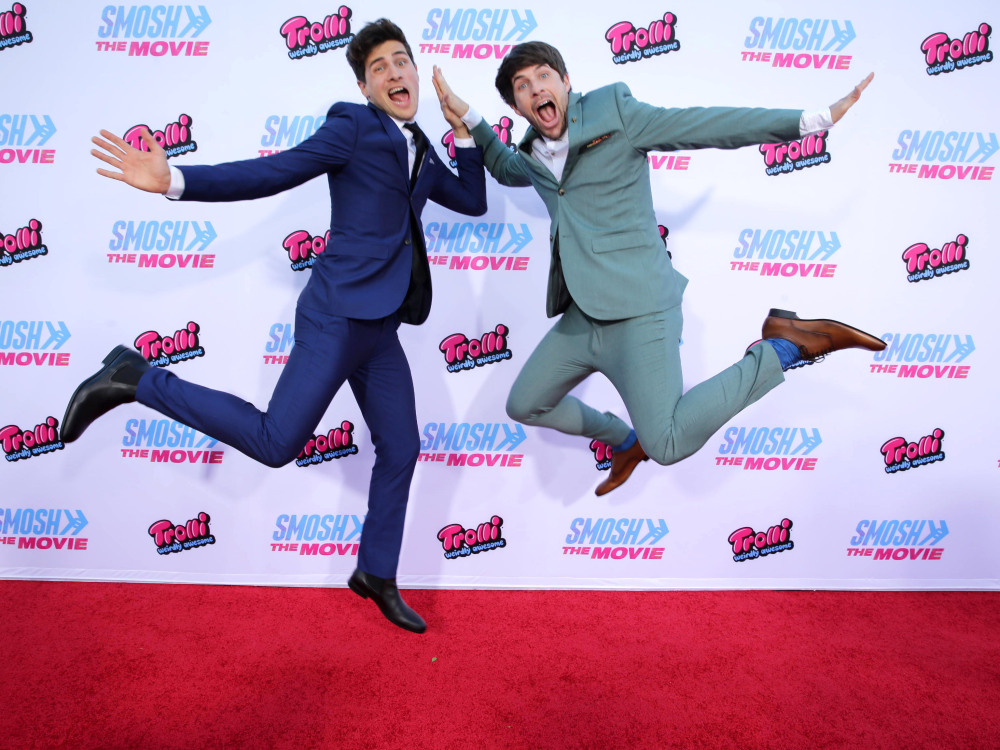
point(420, 142)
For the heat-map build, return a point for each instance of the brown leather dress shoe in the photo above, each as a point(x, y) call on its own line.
point(623, 463)
point(816, 338)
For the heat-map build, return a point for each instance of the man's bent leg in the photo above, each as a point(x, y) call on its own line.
point(327, 349)
point(560, 362)
point(646, 370)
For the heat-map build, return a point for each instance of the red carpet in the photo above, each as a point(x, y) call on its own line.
point(89, 665)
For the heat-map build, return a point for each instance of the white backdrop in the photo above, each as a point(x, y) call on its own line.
point(800, 477)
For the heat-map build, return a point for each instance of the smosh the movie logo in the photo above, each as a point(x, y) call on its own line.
point(786, 252)
point(154, 30)
point(305, 38)
point(17, 131)
point(162, 244)
point(280, 340)
point(467, 444)
point(942, 54)
point(924, 355)
point(616, 538)
point(477, 247)
point(898, 539)
point(281, 133)
point(13, 29)
point(954, 153)
point(312, 535)
point(161, 441)
point(471, 33)
point(769, 448)
point(33, 343)
point(43, 528)
point(799, 43)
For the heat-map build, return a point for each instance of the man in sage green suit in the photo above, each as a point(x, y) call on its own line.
point(610, 279)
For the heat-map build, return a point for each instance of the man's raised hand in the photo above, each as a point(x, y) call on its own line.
point(452, 107)
point(840, 107)
point(146, 170)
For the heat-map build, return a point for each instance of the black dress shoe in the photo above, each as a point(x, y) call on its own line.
point(816, 338)
point(384, 593)
point(623, 463)
point(112, 385)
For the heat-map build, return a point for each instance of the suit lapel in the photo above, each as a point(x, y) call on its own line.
point(574, 113)
point(397, 140)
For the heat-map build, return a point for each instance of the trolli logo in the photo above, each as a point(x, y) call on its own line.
point(602, 454)
point(162, 441)
point(175, 139)
point(943, 54)
point(458, 541)
point(465, 444)
point(294, 534)
point(482, 29)
point(925, 262)
point(22, 244)
point(786, 252)
point(952, 150)
point(752, 545)
point(21, 343)
point(769, 448)
point(172, 27)
point(282, 133)
point(336, 443)
point(502, 129)
point(13, 30)
point(463, 353)
point(281, 339)
point(26, 130)
point(303, 248)
point(305, 39)
point(18, 444)
point(170, 538)
point(477, 247)
point(162, 351)
point(924, 355)
point(901, 455)
point(162, 244)
point(629, 43)
point(43, 528)
point(911, 539)
point(800, 40)
point(783, 158)
point(616, 538)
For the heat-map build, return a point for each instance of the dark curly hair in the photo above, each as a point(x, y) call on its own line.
point(526, 55)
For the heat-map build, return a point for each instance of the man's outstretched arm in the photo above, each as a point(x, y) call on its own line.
point(839, 108)
point(145, 170)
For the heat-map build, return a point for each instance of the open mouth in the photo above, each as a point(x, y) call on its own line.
point(399, 96)
point(547, 113)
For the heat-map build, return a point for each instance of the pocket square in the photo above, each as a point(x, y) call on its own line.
point(596, 142)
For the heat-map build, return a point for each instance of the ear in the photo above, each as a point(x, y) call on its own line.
point(364, 90)
point(566, 81)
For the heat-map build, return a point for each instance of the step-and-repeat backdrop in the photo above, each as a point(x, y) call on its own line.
point(863, 471)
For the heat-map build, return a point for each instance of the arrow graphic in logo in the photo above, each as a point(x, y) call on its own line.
point(75, 523)
point(937, 533)
point(962, 350)
point(808, 443)
point(512, 437)
point(59, 335)
point(202, 238)
point(843, 36)
point(827, 247)
point(517, 240)
point(656, 532)
point(523, 26)
point(43, 130)
point(986, 147)
point(198, 22)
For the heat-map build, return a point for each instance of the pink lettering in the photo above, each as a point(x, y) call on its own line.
point(164, 532)
point(301, 245)
point(299, 32)
point(897, 450)
point(454, 536)
point(12, 21)
point(151, 344)
point(920, 255)
point(173, 134)
point(457, 346)
point(335, 439)
point(939, 46)
point(743, 539)
point(623, 35)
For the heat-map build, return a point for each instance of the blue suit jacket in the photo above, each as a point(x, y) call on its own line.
point(366, 268)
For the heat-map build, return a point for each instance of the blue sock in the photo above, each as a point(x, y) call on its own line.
point(788, 353)
point(627, 443)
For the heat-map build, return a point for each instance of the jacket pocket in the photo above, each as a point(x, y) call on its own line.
point(621, 241)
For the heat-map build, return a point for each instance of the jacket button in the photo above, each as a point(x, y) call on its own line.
point(406, 241)
point(562, 192)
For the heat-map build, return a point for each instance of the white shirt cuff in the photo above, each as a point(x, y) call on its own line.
point(176, 188)
point(813, 122)
point(472, 118)
point(465, 143)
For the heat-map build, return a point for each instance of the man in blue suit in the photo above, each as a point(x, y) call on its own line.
point(614, 287)
point(372, 276)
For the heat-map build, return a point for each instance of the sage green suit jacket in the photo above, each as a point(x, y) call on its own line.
point(607, 254)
